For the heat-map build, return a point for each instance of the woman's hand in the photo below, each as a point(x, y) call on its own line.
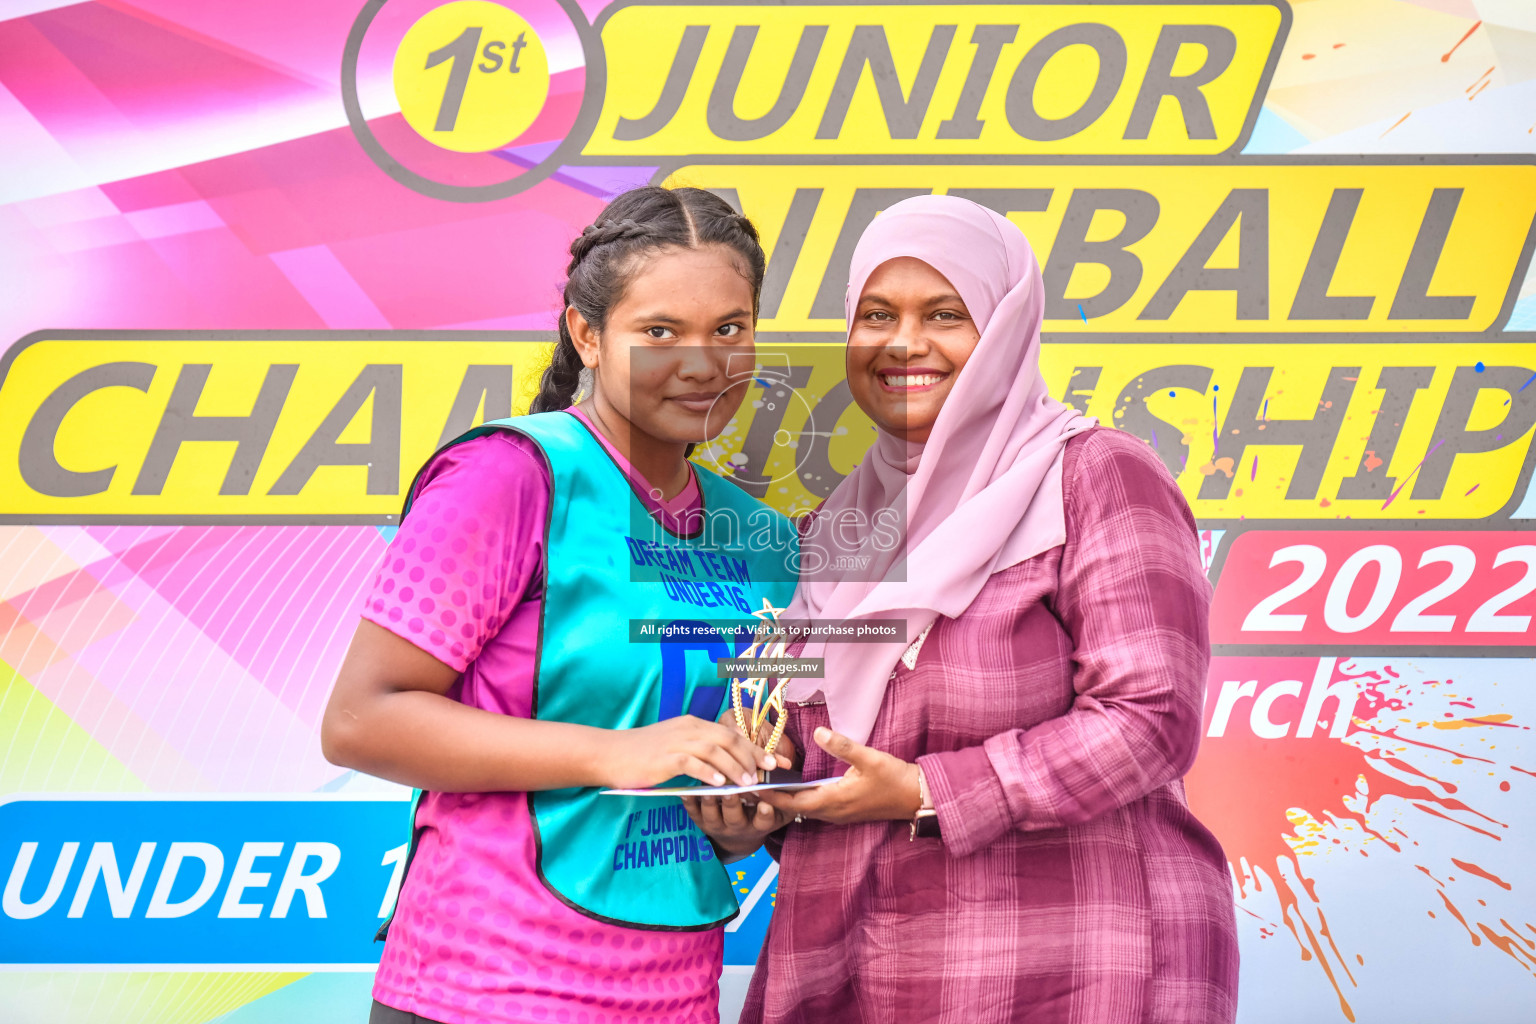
point(713, 753)
point(735, 824)
point(876, 787)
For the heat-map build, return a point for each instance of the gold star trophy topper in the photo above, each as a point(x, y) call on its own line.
point(765, 702)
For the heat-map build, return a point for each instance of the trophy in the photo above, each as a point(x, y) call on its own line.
point(767, 706)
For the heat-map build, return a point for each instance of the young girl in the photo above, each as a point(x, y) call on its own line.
point(495, 668)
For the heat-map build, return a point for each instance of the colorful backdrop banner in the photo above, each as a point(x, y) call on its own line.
point(258, 261)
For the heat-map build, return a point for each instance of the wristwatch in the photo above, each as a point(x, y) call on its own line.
point(925, 824)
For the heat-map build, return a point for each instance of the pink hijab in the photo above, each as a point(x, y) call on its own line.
point(983, 493)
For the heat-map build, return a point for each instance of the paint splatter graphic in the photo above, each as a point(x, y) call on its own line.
point(1412, 474)
point(1446, 56)
point(1316, 792)
point(1210, 540)
point(1221, 465)
point(1528, 379)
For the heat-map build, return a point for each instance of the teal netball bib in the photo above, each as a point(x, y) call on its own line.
point(615, 580)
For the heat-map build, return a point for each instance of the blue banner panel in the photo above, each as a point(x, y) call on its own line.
point(298, 882)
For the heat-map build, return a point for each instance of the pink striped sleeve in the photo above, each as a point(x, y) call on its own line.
point(1134, 598)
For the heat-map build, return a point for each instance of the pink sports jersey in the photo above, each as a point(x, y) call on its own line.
point(476, 936)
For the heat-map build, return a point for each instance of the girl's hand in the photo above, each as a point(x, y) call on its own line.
point(785, 753)
point(876, 787)
point(714, 754)
point(734, 823)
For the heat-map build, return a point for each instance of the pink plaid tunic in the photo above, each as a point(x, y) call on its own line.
point(1054, 720)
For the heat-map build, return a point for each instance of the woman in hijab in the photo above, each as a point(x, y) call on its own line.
point(1010, 839)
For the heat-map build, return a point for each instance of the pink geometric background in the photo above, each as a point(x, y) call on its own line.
point(225, 190)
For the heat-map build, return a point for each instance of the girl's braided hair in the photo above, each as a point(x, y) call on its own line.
point(607, 254)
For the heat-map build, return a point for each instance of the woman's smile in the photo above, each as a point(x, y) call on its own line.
point(908, 379)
